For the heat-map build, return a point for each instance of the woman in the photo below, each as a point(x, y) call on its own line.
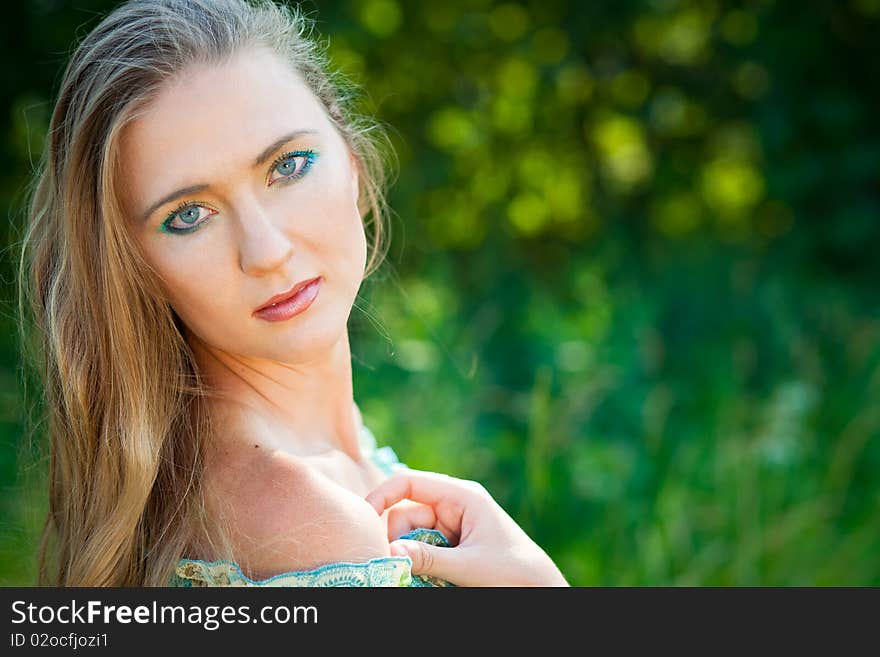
point(195, 246)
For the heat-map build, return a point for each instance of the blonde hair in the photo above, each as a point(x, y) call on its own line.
point(127, 418)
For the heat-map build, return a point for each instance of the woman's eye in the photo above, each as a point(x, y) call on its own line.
point(292, 165)
point(187, 218)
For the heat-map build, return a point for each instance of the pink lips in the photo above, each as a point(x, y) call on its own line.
point(287, 304)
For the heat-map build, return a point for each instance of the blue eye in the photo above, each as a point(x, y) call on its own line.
point(188, 215)
point(291, 165)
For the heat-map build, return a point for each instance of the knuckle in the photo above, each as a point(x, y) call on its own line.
point(426, 558)
point(477, 487)
point(399, 475)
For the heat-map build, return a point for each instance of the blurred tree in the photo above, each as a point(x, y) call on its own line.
point(632, 282)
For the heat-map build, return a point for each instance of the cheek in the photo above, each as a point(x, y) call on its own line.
point(195, 291)
point(336, 232)
point(351, 241)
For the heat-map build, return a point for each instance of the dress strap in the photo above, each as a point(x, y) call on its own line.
point(384, 457)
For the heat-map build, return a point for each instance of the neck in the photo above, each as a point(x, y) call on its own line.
point(311, 403)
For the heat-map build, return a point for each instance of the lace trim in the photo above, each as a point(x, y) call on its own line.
point(381, 571)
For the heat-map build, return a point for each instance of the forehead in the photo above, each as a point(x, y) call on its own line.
point(226, 111)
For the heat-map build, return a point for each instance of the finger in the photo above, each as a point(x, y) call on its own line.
point(405, 516)
point(419, 486)
point(428, 559)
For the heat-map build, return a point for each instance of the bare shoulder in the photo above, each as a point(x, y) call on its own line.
point(285, 515)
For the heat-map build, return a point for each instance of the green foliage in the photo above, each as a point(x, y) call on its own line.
point(632, 282)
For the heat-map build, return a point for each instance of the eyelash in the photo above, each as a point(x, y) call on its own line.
point(309, 155)
point(310, 158)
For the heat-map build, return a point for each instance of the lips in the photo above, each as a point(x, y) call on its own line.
point(286, 295)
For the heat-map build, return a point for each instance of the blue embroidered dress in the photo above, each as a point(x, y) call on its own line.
point(382, 571)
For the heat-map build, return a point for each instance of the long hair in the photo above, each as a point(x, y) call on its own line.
point(126, 411)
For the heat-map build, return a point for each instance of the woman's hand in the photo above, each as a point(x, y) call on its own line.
point(489, 549)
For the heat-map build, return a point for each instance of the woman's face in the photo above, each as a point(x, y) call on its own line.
point(238, 187)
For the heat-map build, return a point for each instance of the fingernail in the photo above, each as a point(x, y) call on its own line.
point(398, 550)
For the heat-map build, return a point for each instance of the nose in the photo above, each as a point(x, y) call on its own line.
point(263, 246)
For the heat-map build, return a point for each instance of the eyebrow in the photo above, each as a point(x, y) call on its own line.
point(195, 189)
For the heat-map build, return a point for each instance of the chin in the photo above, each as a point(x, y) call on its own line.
point(305, 341)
